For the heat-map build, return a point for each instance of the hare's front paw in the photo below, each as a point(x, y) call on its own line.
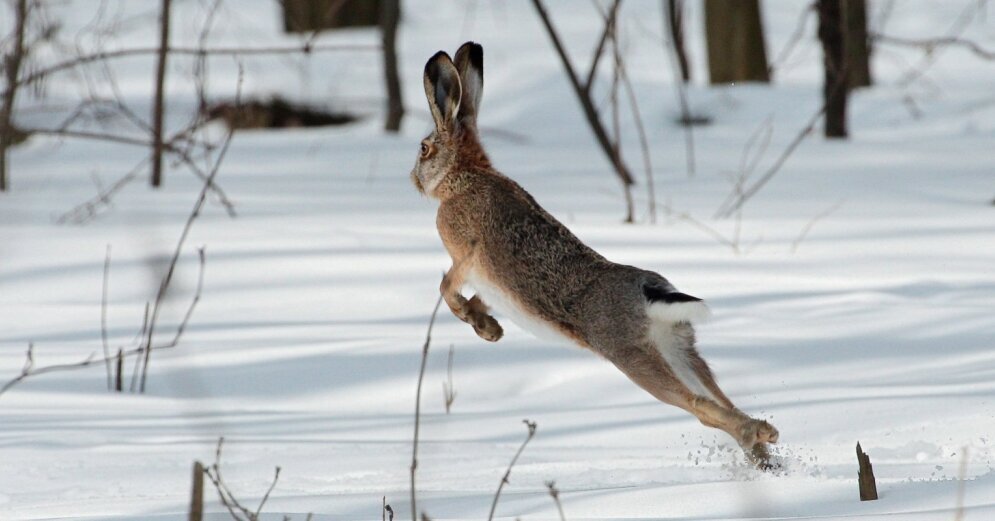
point(487, 328)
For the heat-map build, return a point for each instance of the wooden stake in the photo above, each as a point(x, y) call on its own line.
point(197, 493)
point(865, 477)
point(118, 380)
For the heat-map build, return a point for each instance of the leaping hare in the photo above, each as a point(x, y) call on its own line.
point(527, 265)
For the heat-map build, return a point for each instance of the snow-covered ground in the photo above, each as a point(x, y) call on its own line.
point(877, 326)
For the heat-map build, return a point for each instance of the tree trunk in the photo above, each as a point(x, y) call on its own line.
point(675, 23)
point(12, 67)
point(735, 38)
point(858, 46)
point(390, 14)
point(834, 89)
point(158, 105)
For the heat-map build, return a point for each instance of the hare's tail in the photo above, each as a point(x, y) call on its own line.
point(671, 306)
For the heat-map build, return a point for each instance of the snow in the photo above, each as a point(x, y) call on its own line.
point(304, 350)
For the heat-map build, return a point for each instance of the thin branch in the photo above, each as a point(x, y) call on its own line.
point(735, 201)
point(640, 130)
point(192, 51)
point(808, 226)
point(680, 87)
point(590, 111)
point(504, 480)
point(89, 209)
point(599, 49)
point(555, 494)
point(103, 317)
point(29, 368)
point(183, 236)
point(928, 45)
point(140, 351)
point(448, 390)
point(421, 377)
point(793, 40)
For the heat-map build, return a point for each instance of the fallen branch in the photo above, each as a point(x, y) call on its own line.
point(504, 479)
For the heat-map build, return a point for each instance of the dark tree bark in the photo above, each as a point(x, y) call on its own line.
point(857, 44)
point(158, 106)
point(675, 23)
point(390, 14)
point(12, 67)
point(735, 39)
point(834, 89)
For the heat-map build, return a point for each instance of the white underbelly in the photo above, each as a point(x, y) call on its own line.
point(506, 305)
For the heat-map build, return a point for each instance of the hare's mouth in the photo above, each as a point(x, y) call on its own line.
point(417, 182)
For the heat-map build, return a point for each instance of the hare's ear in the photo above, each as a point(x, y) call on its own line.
point(470, 64)
point(442, 88)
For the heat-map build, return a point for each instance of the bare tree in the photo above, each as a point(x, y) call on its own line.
point(12, 68)
point(834, 63)
point(735, 37)
point(159, 101)
point(674, 10)
point(390, 14)
point(857, 43)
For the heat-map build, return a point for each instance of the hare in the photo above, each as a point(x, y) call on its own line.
point(531, 268)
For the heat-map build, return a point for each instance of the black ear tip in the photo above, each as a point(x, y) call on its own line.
point(477, 55)
point(432, 65)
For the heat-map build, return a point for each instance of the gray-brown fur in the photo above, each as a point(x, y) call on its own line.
point(494, 230)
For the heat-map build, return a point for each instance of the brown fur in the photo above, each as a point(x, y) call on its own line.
point(493, 229)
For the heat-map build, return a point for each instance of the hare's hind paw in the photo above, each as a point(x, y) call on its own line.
point(756, 434)
point(487, 327)
point(758, 431)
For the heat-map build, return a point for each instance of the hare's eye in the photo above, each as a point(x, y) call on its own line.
point(424, 150)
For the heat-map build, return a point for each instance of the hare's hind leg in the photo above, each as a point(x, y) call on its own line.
point(473, 311)
point(648, 368)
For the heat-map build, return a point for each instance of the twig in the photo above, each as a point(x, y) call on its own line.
point(808, 226)
point(89, 209)
point(167, 278)
point(793, 40)
point(928, 45)
point(29, 368)
point(103, 317)
point(555, 494)
point(118, 358)
point(641, 131)
point(228, 499)
point(587, 104)
point(504, 480)
point(448, 390)
point(735, 201)
point(421, 376)
point(276, 476)
point(169, 146)
point(678, 66)
point(961, 478)
point(191, 51)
